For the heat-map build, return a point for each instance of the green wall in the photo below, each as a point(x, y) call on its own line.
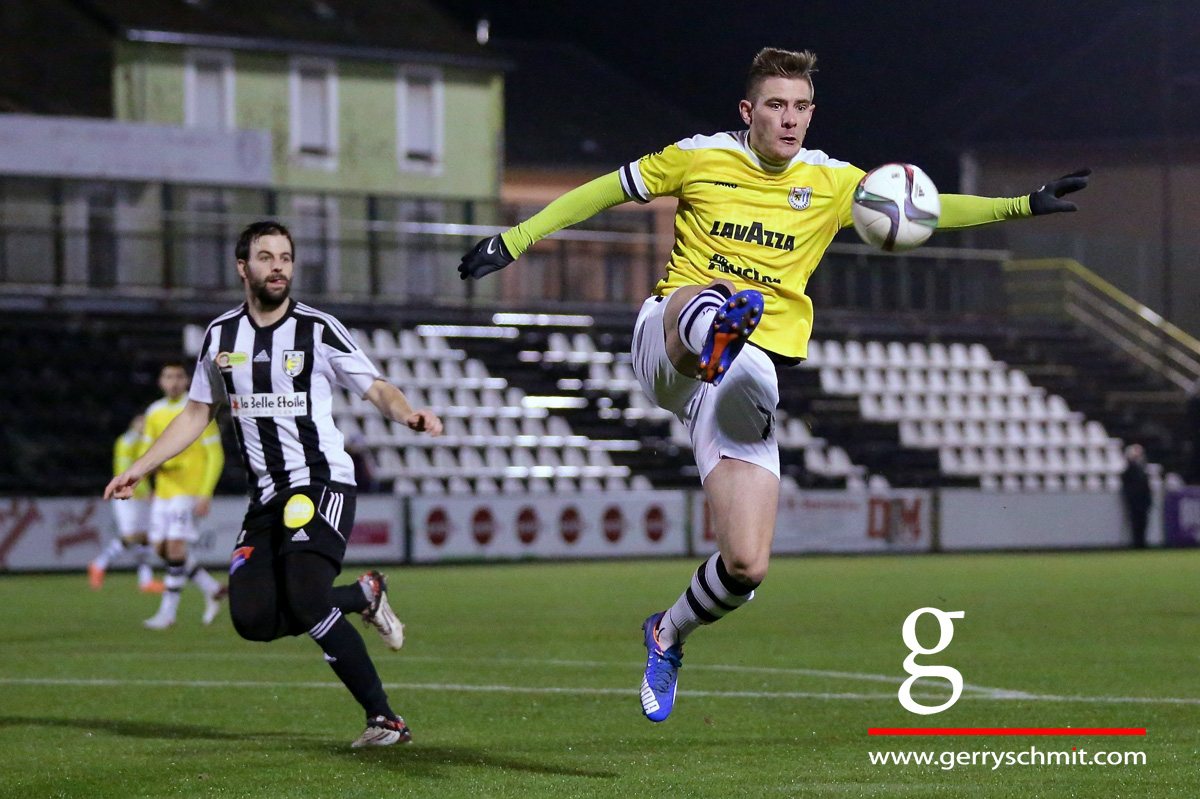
point(148, 87)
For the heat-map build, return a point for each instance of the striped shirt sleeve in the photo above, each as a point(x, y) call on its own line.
point(352, 369)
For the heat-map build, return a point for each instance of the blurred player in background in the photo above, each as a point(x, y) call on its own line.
point(183, 489)
point(132, 516)
point(756, 213)
point(277, 361)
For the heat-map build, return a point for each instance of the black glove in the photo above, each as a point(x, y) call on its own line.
point(484, 258)
point(1046, 199)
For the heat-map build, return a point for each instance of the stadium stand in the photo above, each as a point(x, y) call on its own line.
point(889, 413)
point(555, 407)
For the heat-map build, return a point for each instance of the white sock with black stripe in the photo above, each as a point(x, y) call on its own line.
point(198, 575)
point(696, 318)
point(114, 548)
point(173, 582)
point(713, 594)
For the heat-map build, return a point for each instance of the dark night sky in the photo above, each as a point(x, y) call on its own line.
point(896, 81)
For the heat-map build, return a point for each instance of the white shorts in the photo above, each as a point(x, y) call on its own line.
point(131, 515)
point(173, 519)
point(735, 419)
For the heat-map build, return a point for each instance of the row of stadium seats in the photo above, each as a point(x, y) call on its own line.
point(1031, 460)
point(896, 354)
point(1050, 482)
point(994, 381)
point(439, 373)
point(430, 486)
point(970, 408)
point(955, 433)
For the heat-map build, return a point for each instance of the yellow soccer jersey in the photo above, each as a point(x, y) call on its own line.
point(129, 447)
point(759, 228)
point(193, 472)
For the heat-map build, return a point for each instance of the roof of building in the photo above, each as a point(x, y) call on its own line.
point(374, 29)
point(566, 108)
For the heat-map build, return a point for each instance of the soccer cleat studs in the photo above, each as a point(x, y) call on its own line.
point(734, 323)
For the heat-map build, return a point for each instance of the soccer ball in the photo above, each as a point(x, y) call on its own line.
point(896, 207)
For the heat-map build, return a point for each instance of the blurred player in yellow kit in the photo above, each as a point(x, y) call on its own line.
point(183, 489)
point(132, 516)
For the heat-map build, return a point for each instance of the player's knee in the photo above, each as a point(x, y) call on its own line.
point(254, 621)
point(728, 285)
point(747, 570)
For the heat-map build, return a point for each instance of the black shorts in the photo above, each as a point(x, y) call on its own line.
point(316, 518)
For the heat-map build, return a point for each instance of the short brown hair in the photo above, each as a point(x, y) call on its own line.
point(255, 230)
point(774, 63)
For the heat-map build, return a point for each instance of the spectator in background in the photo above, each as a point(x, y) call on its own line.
point(364, 472)
point(1192, 420)
point(1135, 493)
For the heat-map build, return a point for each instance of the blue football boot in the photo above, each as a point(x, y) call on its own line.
point(734, 322)
point(662, 670)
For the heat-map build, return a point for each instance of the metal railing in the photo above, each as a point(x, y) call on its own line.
point(114, 239)
point(1061, 288)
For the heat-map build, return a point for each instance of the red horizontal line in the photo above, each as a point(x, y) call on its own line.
point(1006, 731)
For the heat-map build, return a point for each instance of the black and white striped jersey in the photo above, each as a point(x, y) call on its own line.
point(280, 380)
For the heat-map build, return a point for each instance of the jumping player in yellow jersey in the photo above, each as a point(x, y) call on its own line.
point(756, 212)
point(183, 489)
point(132, 516)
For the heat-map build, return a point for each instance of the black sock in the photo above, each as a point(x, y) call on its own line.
point(347, 655)
point(349, 598)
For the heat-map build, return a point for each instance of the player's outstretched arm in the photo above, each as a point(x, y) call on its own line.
point(496, 252)
point(180, 433)
point(392, 403)
point(967, 210)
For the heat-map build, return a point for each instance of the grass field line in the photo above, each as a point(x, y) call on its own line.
point(515, 689)
point(969, 690)
point(786, 671)
point(556, 689)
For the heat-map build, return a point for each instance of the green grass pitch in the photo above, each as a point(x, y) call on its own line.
point(521, 681)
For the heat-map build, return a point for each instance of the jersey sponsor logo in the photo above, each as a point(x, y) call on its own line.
point(262, 357)
point(719, 263)
point(754, 233)
point(281, 404)
point(799, 198)
point(293, 362)
point(227, 360)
